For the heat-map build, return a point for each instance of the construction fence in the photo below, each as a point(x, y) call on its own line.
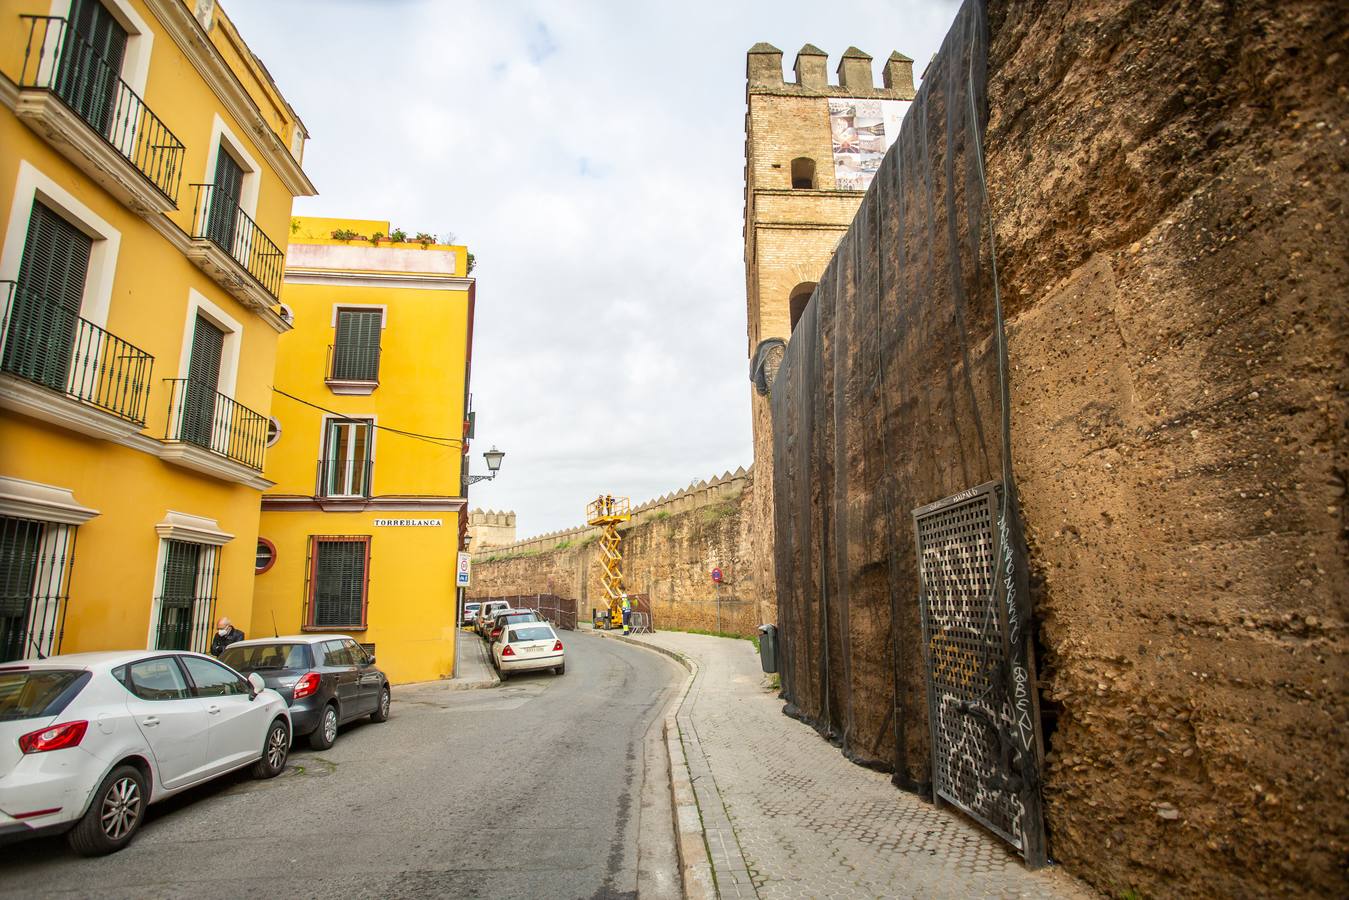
point(561, 611)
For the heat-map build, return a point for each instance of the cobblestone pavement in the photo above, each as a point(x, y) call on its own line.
point(803, 820)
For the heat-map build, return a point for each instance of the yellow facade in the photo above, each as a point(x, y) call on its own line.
point(112, 462)
point(372, 453)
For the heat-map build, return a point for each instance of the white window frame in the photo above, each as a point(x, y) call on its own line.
point(199, 304)
point(382, 307)
point(248, 194)
point(177, 526)
point(34, 185)
point(328, 420)
point(140, 39)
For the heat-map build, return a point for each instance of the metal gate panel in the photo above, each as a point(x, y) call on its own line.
point(976, 764)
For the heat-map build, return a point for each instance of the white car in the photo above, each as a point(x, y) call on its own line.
point(88, 740)
point(528, 647)
point(486, 613)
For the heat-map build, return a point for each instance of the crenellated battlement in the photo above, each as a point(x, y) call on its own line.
point(855, 77)
point(697, 495)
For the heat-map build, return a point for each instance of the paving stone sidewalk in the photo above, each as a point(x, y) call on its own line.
point(797, 819)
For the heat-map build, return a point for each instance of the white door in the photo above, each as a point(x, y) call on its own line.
point(238, 723)
point(173, 721)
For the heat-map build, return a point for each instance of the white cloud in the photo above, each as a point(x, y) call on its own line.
point(591, 156)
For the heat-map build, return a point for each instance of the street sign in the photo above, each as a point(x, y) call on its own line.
point(716, 575)
point(462, 576)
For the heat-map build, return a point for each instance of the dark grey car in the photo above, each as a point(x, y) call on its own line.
point(327, 680)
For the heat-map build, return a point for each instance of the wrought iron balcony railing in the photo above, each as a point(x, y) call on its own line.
point(200, 415)
point(57, 58)
point(218, 219)
point(51, 345)
point(339, 478)
point(353, 363)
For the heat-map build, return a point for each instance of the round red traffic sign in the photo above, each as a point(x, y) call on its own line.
point(716, 574)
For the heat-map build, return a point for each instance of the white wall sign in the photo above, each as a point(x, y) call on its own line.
point(461, 577)
point(409, 523)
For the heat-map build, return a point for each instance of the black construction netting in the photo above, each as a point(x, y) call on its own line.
point(892, 395)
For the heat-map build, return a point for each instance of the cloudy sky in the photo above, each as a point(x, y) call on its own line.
point(591, 155)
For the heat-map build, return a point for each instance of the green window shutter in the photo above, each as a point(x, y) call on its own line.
point(339, 583)
point(92, 51)
point(46, 307)
point(203, 380)
point(19, 543)
point(178, 595)
point(223, 215)
point(356, 345)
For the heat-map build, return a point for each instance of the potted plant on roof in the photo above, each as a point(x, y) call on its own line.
point(424, 239)
point(398, 236)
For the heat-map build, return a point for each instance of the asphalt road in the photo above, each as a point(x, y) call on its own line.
point(531, 789)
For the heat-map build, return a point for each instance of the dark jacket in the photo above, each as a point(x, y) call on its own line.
point(221, 641)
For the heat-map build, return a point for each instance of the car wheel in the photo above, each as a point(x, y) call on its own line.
point(113, 816)
point(275, 749)
point(381, 713)
point(561, 670)
point(322, 737)
point(501, 673)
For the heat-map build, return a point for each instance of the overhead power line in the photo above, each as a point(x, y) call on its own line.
point(429, 438)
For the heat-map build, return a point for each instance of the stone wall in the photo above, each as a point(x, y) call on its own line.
point(1167, 184)
point(670, 547)
point(490, 528)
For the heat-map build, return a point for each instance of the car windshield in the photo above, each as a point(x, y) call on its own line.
point(539, 633)
point(521, 617)
point(255, 657)
point(37, 693)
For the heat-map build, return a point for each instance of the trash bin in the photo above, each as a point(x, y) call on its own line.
point(768, 647)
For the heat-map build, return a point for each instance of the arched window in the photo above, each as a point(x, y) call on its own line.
point(800, 296)
point(803, 173)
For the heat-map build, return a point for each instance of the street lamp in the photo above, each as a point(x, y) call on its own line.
point(493, 459)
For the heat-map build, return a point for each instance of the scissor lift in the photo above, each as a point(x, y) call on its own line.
point(606, 512)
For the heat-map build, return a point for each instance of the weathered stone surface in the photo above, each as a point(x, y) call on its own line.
point(1167, 187)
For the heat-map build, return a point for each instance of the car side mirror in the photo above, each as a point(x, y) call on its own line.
point(371, 660)
point(256, 683)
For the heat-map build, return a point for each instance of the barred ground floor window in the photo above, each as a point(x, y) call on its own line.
point(185, 602)
point(339, 580)
point(35, 564)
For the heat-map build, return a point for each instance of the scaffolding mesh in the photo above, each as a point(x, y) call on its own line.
point(891, 395)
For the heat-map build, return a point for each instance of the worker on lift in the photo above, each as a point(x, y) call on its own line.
point(627, 613)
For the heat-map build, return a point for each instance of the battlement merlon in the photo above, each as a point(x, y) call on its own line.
point(763, 74)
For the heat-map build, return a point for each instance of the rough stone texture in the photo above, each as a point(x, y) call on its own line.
point(669, 551)
point(489, 528)
point(1167, 184)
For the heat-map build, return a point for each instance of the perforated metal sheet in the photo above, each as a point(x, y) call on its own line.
point(965, 652)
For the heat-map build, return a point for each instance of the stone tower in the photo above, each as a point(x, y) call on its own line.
point(810, 148)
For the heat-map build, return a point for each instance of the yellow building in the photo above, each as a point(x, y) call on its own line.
point(147, 169)
point(360, 533)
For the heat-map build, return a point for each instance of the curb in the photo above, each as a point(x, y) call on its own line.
point(695, 866)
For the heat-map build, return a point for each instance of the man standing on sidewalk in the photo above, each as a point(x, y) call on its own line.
point(225, 634)
point(627, 613)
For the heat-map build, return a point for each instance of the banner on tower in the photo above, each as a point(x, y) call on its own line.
point(862, 131)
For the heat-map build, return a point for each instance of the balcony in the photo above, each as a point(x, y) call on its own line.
point(81, 105)
point(212, 433)
point(230, 247)
point(344, 479)
point(48, 344)
point(352, 370)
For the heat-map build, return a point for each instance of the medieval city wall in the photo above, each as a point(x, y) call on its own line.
point(670, 547)
point(1166, 187)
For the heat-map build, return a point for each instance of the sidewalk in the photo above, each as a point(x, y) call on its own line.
point(786, 815)
point(472, 670)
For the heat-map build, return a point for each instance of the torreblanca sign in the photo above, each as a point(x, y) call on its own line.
point(409, 523)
